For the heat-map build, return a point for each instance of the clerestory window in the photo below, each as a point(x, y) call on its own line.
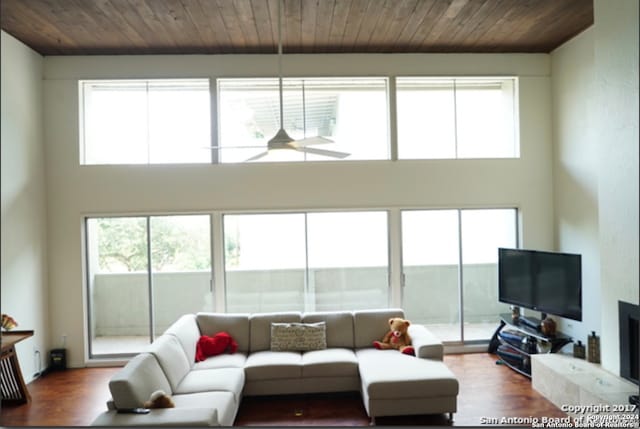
point(161, 121)
point(452, 118)
point(350, 113)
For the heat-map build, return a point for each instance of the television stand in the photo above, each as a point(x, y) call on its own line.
point(522, 338)
point(531, 322)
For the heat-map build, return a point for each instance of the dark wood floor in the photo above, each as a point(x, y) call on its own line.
point(76, 396)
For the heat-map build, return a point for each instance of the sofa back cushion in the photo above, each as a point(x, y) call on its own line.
point(186, 330)
point(236, 325)
point(260, 328)
point(137, 380)
point(339, 327)
point(172, 358)
point(372, 325)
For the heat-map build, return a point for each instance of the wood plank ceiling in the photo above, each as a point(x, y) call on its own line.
point(92, 27)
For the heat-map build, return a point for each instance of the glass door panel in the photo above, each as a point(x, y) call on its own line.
point(430, 265)
point(118, 285)
point(348, 258)
point(180, 267)
point(265, 262)
point(483, 232)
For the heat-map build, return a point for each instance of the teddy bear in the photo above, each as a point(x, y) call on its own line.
point(397, 338)
point(159, 399)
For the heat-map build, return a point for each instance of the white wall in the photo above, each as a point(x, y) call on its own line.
point(595, 102)
point(75, 191)
point(616, 117)
point(575, 171)
point(24, 243)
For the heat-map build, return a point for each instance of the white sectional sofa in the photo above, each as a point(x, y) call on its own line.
point(208, 393)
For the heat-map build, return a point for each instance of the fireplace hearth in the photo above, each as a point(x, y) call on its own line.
point(629, 316)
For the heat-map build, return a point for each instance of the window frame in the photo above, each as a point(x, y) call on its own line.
point(385, 80)
point(513, 81)
point(393, 150)
point(83, 91)
point(149, 272)
point(387, 212)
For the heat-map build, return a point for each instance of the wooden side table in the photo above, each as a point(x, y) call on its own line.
point(12, 386)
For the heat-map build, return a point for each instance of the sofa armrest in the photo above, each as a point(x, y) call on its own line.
point(426, 345)
point(161, 417)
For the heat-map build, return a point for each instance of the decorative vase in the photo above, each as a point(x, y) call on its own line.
point(515, 312)
point(593, 350)
point(548, 327)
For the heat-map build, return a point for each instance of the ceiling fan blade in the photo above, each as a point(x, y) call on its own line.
point(258, 156)
point(313, 140)
point(323, 152)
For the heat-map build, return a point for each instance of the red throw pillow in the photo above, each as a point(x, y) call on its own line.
point(216, 345)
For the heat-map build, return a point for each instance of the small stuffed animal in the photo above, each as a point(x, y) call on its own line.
point(216, 345)
point(397, 338)
point(159, 399)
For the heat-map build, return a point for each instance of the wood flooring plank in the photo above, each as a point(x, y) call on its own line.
point(73, 397)
point(76, 396)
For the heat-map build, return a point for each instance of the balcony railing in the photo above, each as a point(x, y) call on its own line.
point(120, 302)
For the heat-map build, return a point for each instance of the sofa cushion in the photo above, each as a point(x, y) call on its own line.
point(137, 380)
point(237, 325)
point(213, 380)
point(333, 362)
point(236, 360)
point(268, 365)
point(298, 336)
point(186, 330)
point(260, 328)
point(389, 374)
point(339, 327)
point(223, 402)
point(372, 325)
point(172, 358)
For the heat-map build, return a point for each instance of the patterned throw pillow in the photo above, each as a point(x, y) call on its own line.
point(298, 336)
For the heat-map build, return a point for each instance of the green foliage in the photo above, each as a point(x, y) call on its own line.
point(178, 243)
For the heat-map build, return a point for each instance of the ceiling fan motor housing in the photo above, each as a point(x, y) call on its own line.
point(280, 141)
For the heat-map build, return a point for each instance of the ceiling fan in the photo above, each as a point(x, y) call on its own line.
point(282, 140)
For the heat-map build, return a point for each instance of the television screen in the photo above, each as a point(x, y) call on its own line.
point(548, 282)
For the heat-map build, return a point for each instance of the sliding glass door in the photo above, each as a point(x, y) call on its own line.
point(483, 232)
point(143, 273)
point(449, 260)
point(306, 261)
point(180, 268)
point(264, 262)
point(431, 261)
point(348, 258)
point(118, 285)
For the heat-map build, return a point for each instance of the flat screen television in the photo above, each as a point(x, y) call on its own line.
point(548, 282)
